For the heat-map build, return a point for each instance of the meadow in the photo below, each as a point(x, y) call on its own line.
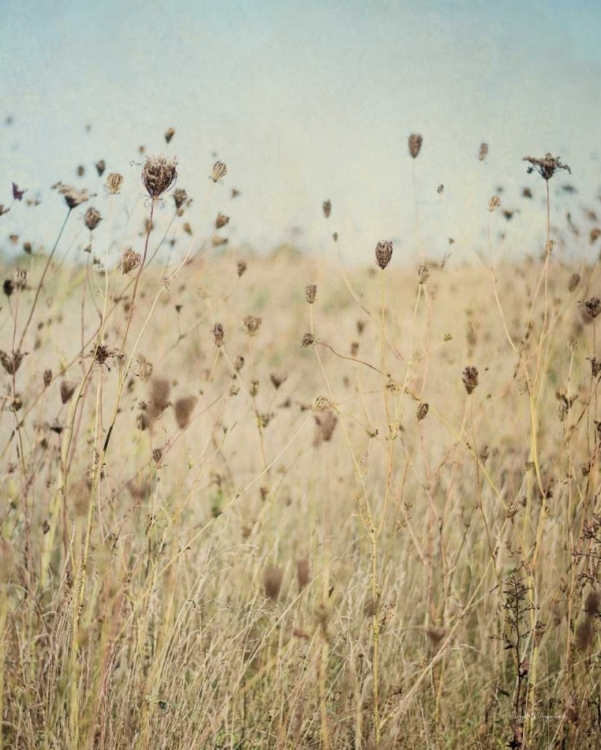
point(277, 501)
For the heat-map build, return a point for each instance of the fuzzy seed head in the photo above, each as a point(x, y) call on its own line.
point(92, 218)
point(47, 378)
point(67, 390)
point(159, 175)
point(179, 198)
point(308, 339)
point(423, 274)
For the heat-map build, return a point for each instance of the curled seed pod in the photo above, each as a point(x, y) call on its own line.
point(470, 379)
point(100, 167)
point(218, 334)
point(158, 175)
point(383, 253)
point(415, 145)
point(221, 221)
point(310, 292)
point(114, 182)
point(422, 411)
point(219, 171)
point(179, 198)
point(92, 218)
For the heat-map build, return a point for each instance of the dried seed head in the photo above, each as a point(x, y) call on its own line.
point(158, 175)
point(47, 378)
point(11, 362)
point(547, 166)
point(218, 334)
point(92, 218)
point(423, 274)
point(383, 253)
point(67, 390)
point(221, 221)
point(241, 268)
point(159, 399)
point(183, 410)
point(277, 379)
point(592, 603)
point(595, 366)
point(494, 203)
point(573, 282)
point(422, 411)
point(254, 387)
point(436, 636)
point(327, 208)
point(100, 167)
point(308, 339)
point(325, 423)
point(130, 260)
point(470, 379)
point(72, 196)
point(593, 307)
point(157, 456)
point(483, 153)
point(20, 278)
point(179, 198)
point(252, 324)
point(272, 582)
point(219, 171)
point(114, 182)
point(585, 633)
point(81, 170)
point(354, 348)
point(415, 144)
point(218, 241)
point(145, 368)
point(238, 363)
point(303, 572)
point(169, 133)
point(310, 292)
point(27, 247)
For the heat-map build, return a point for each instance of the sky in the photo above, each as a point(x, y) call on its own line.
point(307, 101)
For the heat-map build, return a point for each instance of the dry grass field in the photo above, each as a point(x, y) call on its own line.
point(277, 502)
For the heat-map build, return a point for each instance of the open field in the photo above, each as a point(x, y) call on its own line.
point(240, 512)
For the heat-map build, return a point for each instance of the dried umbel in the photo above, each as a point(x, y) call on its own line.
point(272, 582)
point(219, 171)
point(183, 410)
point(470, 379)
point(383, 253)
point(595, 367)
point(303, 573)
point(327, 209)
point(483, 153)
point(130, 260)
point(100, 167)
point(277, 379)
point(423, 274)
point(221, 221)
point(547, 166)
point(254, 387)
point(238, 363)
point(20, 278)
point(47, 378)
point(92, 218)
point(592, 306)
point(241, 268)
point(114, 182)
point(422, 411)
point(494, 203)
point(308, 339)
point(169, 133)
point(72, 196)
point(252, 324)
point(159, 175)
point(11, 362)
point(310, 292)
point(218, 334)
point(325, 423)
point(67, 390)
point(179, 198)
point(573, 282)
point(415, 144)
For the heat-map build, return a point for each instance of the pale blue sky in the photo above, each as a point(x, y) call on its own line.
point(306, 101)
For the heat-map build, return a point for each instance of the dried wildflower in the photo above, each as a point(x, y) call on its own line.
point(11, 362)
point(20, 278)
point(241, 268)
point(47, 378)
point(547, 166)
point(303, 572)
point(470, 379)
point(114, 182)
point(483, 153)
point(102, 353)
point(8, 287)
point(415, 144)
point(308, 339)
point(72, 196)
point(100, 167)
point(238, 363)
point(158, 175)
point(251, 324)
point(179, 198)
point(254, 387)
point(92, 218)
point(272, 582)
point(145, 368)
point(159, 399)
point(310, 292)
point(157, 456)
point(594, 235)
point(218, 241)
point(219, 171)
point(183, 410)
point(234, 390)
point(327, 208)
point(169, 133)
point(592, 306)
point(573, 282)
point(595, 367)
point(383, 253)
point(218, 334)
point(221, 221)
point(325, 423)
point(422, 411)
point(130, 260)
point(27, 248)
point(423, 274)
point(278, 379)
point(494, 203)
point(67, 390)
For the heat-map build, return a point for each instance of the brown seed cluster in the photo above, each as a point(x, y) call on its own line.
point(310, 293)
point(221, 221)
point(73, 197)
point(327, 208)
point(158, 175)
point(547, 166)
point(114, 182)
point(422, 411)
point(252, 324)
point(272, 582)
point(415, 145)
point(179, 198)
point(470, 379)
point(130, 260)
point(184, 407)
point(92, 218)
point(11, 362)
point(383, 253)
point(218, 334)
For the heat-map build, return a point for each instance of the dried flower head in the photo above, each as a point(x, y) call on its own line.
point(100, 167)
point(470, 378)
point(483, 153)
point(415, 144)
point(218, 334)
point(159, 175)
point(423, 274)
point(303, 572)
point(592, 305)
point(221, 221)
point(547, 166)
point(272, 582)
point(114, 182)
point(157, 456)
point(310, 293)
point(494, 203)
point(595, 367)
point(308, 339)
point(241, 268)
point(145, 368)
point(183, 410)
point(67, 390)
point(130, 260)
point(422, 411)
point(573, 282)
point(179, 198)
point(8, 287)
point(238, 363)
point(169, 133)
point(277, 379)
point(11, 362)
point(325, 423)
point(219, 171)
point(72, 196)
point(327, 208)
point(92, 218)
point(20, 278)
point(594, 235)
point(47, 378)
point(383, 253)
point(254, 387)
point(251, 324)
